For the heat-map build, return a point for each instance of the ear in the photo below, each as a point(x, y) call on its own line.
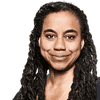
point(39, 41)
point(82, 44)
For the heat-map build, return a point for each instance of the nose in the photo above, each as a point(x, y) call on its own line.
point(59, 45)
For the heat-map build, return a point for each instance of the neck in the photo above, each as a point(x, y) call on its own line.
point(60, 78)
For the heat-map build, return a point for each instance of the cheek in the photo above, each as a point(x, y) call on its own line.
point(74, 47)
point(45, 45)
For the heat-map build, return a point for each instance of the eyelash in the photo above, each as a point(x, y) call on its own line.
point(70, 37)
point(50, 36)
point(53, 36)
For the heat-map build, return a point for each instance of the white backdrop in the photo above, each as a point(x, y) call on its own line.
point(16, 23)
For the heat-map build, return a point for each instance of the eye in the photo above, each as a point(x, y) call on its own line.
point(50, 36)
point(70, 37)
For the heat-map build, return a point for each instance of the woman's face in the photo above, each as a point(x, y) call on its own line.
point(60, 41)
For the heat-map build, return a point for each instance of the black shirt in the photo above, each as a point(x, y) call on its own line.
point(98, 89)
point(17, 97)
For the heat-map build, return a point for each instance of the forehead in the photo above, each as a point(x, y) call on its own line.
point(61, 19)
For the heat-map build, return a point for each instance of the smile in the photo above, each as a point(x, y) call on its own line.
point(59, 58)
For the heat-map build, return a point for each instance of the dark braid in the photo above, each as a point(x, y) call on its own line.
point(35, 72)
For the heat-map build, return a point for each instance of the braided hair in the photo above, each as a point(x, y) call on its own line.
point(35, 73)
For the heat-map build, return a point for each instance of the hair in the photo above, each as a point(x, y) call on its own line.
point(35, 73)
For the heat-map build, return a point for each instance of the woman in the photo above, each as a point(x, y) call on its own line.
point(61, 43)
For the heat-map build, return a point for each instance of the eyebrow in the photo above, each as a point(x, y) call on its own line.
point(67, 31)
point(70, 30)
point(49, 30)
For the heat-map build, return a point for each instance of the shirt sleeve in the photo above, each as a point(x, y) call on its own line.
point(98, 89)
point(17, 96)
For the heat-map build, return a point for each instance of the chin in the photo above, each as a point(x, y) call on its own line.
point(61, 67)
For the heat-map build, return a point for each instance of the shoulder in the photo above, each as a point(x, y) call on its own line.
point(98, 88)
point(98, 82)
point(17, 96)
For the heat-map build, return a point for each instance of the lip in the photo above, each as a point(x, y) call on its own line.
point(59, 57)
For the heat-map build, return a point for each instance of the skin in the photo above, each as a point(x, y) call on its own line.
point(60, 44)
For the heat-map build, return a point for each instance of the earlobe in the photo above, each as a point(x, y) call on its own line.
point(82, 44)
point(39, 41)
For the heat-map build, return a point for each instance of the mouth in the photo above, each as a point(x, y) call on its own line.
point(59, 58)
